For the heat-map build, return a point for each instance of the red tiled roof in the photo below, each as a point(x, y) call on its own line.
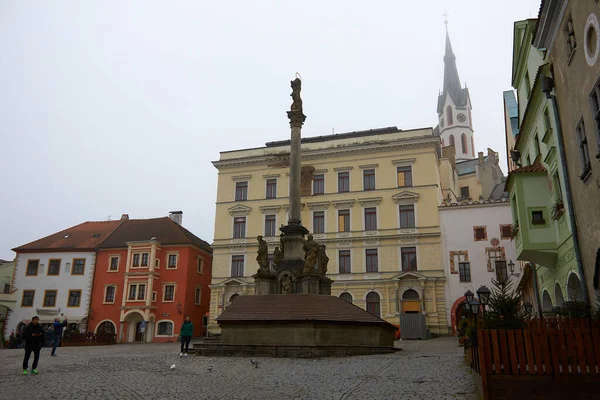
point(87, 235)
point(535, 167)
point(163, 229)
point(295, 307)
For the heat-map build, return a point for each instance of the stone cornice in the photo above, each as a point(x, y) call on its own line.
point(266, 176)
point(374, 147)
point(239, 210)
point(241, 178)
point(318, 205)
point(343, 169)
point(486, 203)
point(273, 208)
point(406, 197)
point(370, 201)
point(404, 161)
point(368, 166)
point(343, 203)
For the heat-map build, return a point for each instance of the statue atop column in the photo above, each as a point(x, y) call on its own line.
point(322, 260)
point(296, 114)
point(277, 257)
point(262, 256)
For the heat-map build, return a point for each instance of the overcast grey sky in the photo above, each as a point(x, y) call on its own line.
point(111, 107)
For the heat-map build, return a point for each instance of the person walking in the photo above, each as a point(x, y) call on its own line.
point(186, 332)
point(57, 334)
point(34, 340)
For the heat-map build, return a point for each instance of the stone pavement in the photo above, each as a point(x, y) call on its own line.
point(431, 369)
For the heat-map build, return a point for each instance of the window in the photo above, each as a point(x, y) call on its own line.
point(114, 264)
point(156, 263)
point(74, 298)
point(547, 124)
point(537, 217)
point(570, 36)
point(269, 225)
point(449, 115)
point(373, 304)
point(584, 155)
point(557, 188)
point(136, 260)
point(237, 266)
point(27, 299)
point(536, 145)
point(472, 140)
point(404, 176)
point(172, 261)
point(153, 296)
point(344, 256)
point(145, 257)
point(409, 258)
point(6, 289)
point(318, 221)
point(464, 192)
point(169, 293)
point(241, 191)
point(165, 328)
point(343, 220)
point(370, 219)
point(407, 217)
point(372, 264)
point(369, 179)
point(78, 266)
point(271, 188)
point(239, 227)
point(271, 260)
point(346, 297)
point(50, 298)
point(109, 294)
point(32, 267)
point(494, 254)
point(139, 289)
point(464, 271)
point(595, 103)
point(319, 184)
point(501, 271)
point(479, 233)
point(463, 143)
point(200, 265)
point(506, 231)
point(198, 295)
point(451, 140)
point(343, 182)
point(54, 267)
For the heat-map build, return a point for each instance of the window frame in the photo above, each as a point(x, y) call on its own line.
point(241, 191)
point(406, 170)
point(368, 179)
point(462, 196)
point(370, 259)
point(502, 232)
point(585, 161)
point(318, 181)
point(239, 227)
point(110, 259)
point(368, 211)
point(346, 220)
point(46, 291)
point(145, 260)
point(50, 264)
point(318, 220)
point(238, 264)
point(32, 291)
point(37, 268)
point(270, 222)
point(162, 323)
point(406, 251)
point(106, 288)
point(82, 268)
point(376, 305)
point(343, 181)
point(168, 257)
point(71, 291)
point(136, 292)
point(595, 108)
point(408, 209)
point(475, 229)
point(504, 269)
point(464, 271)
point(271, 188)
point(198, 296)
point(200, 265)
point(164, 296)
point(347, 255)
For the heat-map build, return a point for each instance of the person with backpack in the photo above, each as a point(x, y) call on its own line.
point(34, 340)
point(57, 334)
point(186, 332)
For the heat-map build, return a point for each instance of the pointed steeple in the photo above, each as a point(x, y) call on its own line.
point(451, 79)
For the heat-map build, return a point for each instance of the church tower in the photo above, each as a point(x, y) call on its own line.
point(454, 110)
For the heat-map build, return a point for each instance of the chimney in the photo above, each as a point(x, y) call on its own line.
point(480, 156)
point(124, 217)
point(176, 216)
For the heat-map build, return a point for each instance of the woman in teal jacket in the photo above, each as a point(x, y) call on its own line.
point(186, 332)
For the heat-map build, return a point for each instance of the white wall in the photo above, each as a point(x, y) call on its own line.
point(62, 283)
point(457, 234)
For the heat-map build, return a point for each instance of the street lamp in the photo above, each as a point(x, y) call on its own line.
point(484, 295)
point(469, 296)
point(475, 307)
point(528, 307)
point(511, 267)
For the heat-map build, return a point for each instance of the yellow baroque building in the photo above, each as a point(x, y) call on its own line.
point(371, 197)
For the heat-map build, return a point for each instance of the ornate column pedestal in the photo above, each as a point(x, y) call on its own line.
point(310, 284)
point(264, 283)
point(325, 286)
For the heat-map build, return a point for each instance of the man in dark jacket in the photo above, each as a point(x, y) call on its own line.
point(57, 334)
point(34, 340)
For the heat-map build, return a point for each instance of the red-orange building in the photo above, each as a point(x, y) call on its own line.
point(150, 274)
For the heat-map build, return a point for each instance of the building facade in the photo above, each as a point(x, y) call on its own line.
point(53, 276)
point(8, 300)
point(542, 229)
point(569, 31)
point(371, 197)
point(150, 275)
point(511, 125)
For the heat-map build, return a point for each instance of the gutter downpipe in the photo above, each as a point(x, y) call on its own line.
point(547, 87)
point(536, 289)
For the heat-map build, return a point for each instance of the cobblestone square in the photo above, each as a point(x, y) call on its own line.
point(432, 369)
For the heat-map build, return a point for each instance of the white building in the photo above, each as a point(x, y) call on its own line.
point(477, 247)
point(54, 276)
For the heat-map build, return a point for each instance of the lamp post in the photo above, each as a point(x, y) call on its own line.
point(511, 267)
point(469, 296)
point(475, 307)
point(484, 296)
point(528, 307)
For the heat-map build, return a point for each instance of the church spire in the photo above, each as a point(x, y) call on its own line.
point(451, 80)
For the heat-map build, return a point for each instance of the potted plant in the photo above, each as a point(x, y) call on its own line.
point(515, 229)
point(558, 209)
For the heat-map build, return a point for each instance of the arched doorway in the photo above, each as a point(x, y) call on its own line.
point(374, 304)
point(411, 303)
point(106, 328)
point(546, 302)
point(456, 312)
point(346, 297)
point(558, 295)
point(574, 288)
point(136, 327)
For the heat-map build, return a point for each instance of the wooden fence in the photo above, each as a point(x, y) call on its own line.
point(546, 351)
point(88, 339)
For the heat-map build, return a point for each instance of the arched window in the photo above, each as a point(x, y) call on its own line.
point(346, 297)
point(463, 143)
point(106, 328)
point(574, 290)
point(449, 116)
point(373, 304)
point(451, 140)
point(410, 294)
point(165, 328)
point(546, 302)
point(472, 146)
point(558, 295)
